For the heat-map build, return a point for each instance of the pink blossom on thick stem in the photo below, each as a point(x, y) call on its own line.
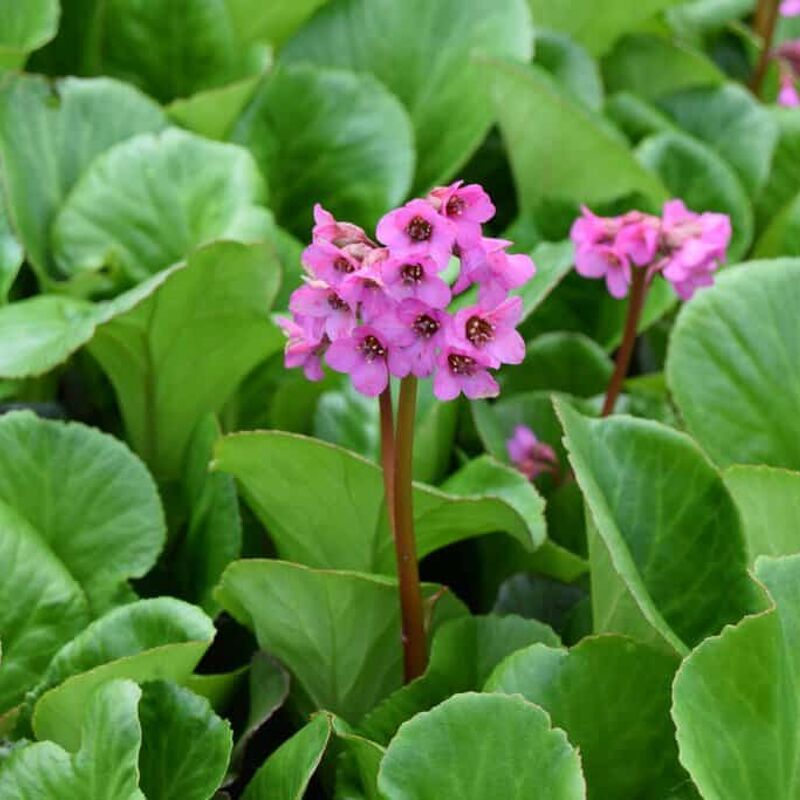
point(417, 230)
point(605, 261)
point(467, 206)
point(364, 356)
point(492, 332)
point(530, 456)
point(460, 370)
point(416, 278)
point(426, 330)
point(303, 351)
point(329, 263)
point(320, 309)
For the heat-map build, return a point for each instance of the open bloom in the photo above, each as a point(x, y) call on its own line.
point(467, 206)
point(418, 230)
point(492, 332)
point(321, 309)
point(462, 371)
point(530, 456)
point(425, 332)
point(364, 356)
point(417, 278)
point(302, 350)
point(329, 263)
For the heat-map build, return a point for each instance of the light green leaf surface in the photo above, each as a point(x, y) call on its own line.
point(25, 26)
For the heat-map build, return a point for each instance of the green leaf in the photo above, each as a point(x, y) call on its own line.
point(106, 765)
point(561, 362)
point(206, 326)
point(49, 134)
point(285, 775)
point(424, 53)
point(170, 48)
point(41, 606)
point(740, 340)
point(611, 695)
point(559, 149)
point(596, 32)
point(782, 236)
point(185, 745)
point(696, 174)
point(768, 500)
point(655, 508)
point(463, 654)
point(11, 253)
point(735, 699)
point(213, 536)
point(553, 261)
point(323, 506)
point(328, 136)
point(651, 66)
point(270, 20)
point(25, 27)
point(337, 632)
point(732, 122)
point(571, 66)
point(146, 203)
point(90, 501)
point(162, 638)
point(476, 746)
point(784, 178)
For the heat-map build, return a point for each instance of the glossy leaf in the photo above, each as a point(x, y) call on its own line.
point(323, 506)
point(741, 340)
point(185, 745)
point(784, 178)
point(11, 253)
point(145, 204)
point(337, 632)
point(271, 20)
point(25, 27)
point(735, 699)
point(161, 638)
point(768, 500)
point(206, 326)
point(106, 765)
point(463, 654)
point(424, 53)
point(475, 746)
point(611, 695)
point(571, 66)
point(331, 137)
point(655, 508)
point(71, 121)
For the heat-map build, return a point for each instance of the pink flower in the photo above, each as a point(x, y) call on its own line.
point(320, 309)
point(788, 95)
point(605, 261)
point(492, 333)
point(415, 277)
point(303, 351)
point(416, 229)
point(327, 229)
point(473, 261)
point(467, 206)
point(638, 238)
point(530, 456)
point(329, 263)
point(366, 291)
point(461, 371)
point(425, 331)
point(790, 8)
point(364, 356)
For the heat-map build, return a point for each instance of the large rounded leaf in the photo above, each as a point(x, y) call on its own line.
point(667, 553)
point(337, 632)
point(424, 53)
point(323, 505)
point(480, 746)
point(329, 136)
point(49, 133)
point(89, 499)
point(734, 365)
point(612, 696)
point(105, 766)
point(735, 699)
point(25, 27)
point(147, 203)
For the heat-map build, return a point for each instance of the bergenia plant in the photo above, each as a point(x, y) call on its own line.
point(630, 251)
point(530, 456)
point(392, 306)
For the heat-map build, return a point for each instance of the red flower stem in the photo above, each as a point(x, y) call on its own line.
point(765, 21)
point(415, 649)
point(635, 305)
point(387, 452)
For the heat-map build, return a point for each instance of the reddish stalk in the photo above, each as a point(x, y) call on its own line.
point(387, 452)
point(765, 21)
point(415, 649)
point(635, 305)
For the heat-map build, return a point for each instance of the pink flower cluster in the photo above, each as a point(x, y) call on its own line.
point(374, 310)
point(788, 58)
point(530, 456)
point(685, 247)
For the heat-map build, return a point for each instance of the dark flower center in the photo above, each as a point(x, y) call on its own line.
point(461, 365)
point(419, 229)
point(479, 331)
point(336, 302)
point(343, 265)
point(371, 348)
point(455, 206)
point(425, 327)
point(412, 273)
